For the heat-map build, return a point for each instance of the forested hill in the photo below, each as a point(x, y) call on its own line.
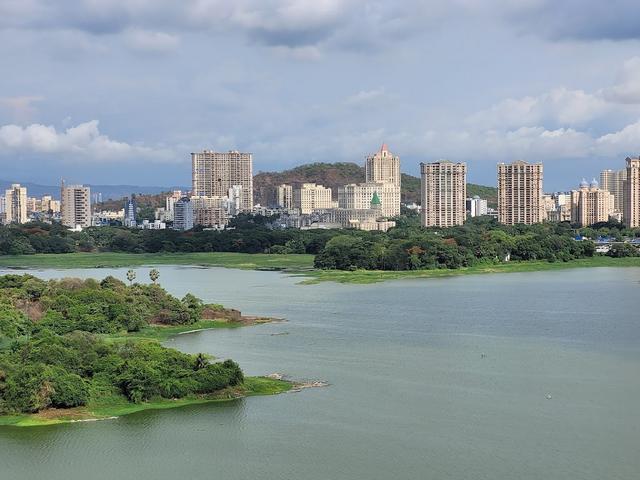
point(334, 175)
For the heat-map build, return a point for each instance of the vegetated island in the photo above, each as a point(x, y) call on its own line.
point(78, 350)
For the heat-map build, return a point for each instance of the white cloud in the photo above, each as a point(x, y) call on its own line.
point(627, 90)
point(84, 141)
point(146, 41)
point(560, 106)
point(365, 97)
point(625, 141)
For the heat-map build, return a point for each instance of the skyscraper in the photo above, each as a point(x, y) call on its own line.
point(631, 213)
point(16, 204)
point(613, 181)
point(444, 192)
point(214, 173)
point(383, 167)
point(75, 206)
point(284, 196)
point(591, 204)
point(520, 193)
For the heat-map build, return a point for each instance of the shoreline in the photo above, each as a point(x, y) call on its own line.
point(297, 265)
point(110, 408)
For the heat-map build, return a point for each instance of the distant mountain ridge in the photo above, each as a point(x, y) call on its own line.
point(334, 175)
point(114, 192)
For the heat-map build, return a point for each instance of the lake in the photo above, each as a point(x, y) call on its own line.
point(522, 375)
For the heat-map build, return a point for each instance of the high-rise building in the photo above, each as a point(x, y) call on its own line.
point(476, 206)
point(591, 204)
point(613, 181)
point(183, 214)
point(631, 212)
point(214, 173)
point(130, 212)
point(444, 191)
point(309, 197)
point(16, 204)
point(383, 167)
point(210, 211)
point(75, 206)
point(520, 193)
point(358, 196)
point(284, 196)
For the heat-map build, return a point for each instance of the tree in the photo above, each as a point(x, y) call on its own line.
point(154, 275)
point(131, 276)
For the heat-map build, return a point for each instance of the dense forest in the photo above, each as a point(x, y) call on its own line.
point(53, 352)
point(408, 246)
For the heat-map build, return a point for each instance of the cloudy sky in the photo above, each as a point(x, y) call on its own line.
point(111, 91)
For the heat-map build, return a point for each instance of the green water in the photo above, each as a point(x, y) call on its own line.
point(439, 379)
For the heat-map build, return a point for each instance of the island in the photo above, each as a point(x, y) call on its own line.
point(79, 350)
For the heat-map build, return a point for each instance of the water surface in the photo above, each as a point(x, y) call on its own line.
point(430, 378)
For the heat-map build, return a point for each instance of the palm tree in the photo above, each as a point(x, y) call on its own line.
point(131, 276)
point(154, 275)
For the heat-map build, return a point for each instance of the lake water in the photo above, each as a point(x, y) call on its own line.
point(438, 379)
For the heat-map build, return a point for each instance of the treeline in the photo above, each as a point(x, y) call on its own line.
point(481, 240)
point(52, 356)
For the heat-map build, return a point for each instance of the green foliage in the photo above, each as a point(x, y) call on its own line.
point(57, 360)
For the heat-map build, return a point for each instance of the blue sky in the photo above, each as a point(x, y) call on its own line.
point(105, 91)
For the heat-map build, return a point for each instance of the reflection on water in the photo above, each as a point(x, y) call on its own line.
point(486, 377)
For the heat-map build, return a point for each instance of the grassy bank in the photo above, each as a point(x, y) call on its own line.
point(373, 276)
point(211, 259)
point(162, 333)
point(117, 405)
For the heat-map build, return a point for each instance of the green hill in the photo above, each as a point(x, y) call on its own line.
point(333, 175)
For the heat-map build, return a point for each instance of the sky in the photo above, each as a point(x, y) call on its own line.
point(113, 92)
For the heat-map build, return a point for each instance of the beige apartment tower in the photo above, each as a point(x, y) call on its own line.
point(309, 197)
point(16, 204)
point(383, 167)
point(214, 173)
point(520, 193)
point(631, 212)
point(358, 196)
point(75, 206)
point(444, 193)
point(613, 181)
point(591, 204)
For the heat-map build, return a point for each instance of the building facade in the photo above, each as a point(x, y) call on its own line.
point(613, 181)
point(383, 167)
point(15, 204)
point(477, 207)
point(520, 193)
point(75, 206)
point(358, 196)
point(183, 214)
point(214, 173)
point(210, 211)
point(591, 204)
point(284, 196)
point(631, 212)
point(444, 193)
point(310, 196)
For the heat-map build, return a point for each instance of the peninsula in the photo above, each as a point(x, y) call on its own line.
point(77, 350)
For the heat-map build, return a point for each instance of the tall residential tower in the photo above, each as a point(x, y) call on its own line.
point(520, 193)
point(383, 167)
point(214, 173)
point(444, 193)
point(631, 213)
point(75, 206)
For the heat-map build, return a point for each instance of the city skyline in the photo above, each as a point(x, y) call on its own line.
point(479, 84)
